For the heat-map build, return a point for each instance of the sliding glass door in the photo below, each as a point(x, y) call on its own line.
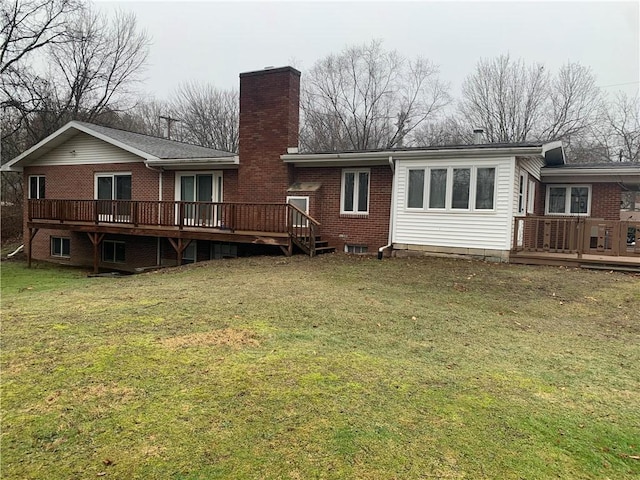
point(199, 192)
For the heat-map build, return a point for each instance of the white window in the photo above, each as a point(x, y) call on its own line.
point(415, 191)
point(355, 191)
point(113, 186)
point(531, 197)
point(36, 186)
point(449, 188)
point(568, 200)
point(113, 252)
point(60, 247)
point(438, 188)
point(522, 183)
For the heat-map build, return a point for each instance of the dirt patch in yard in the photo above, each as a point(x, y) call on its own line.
point(229, 337)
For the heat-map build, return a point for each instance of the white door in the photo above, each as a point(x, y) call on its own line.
point(302, 203)
point(199, 191)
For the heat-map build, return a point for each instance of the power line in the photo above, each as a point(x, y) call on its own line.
point(618, 84)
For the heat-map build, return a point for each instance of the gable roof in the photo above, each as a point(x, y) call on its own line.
point(153, 150)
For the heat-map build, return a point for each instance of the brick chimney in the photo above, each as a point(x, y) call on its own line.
point(269, 118)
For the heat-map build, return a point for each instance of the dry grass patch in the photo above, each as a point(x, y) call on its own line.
point(230, 337)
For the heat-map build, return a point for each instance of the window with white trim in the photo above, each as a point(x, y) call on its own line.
point(60, 247)
point(113, 252)
point(449, 188)
point(113, 186)
point(568, 200)
point(37, 186)
point(531, 197)
point(522, 182)
point(355, 191)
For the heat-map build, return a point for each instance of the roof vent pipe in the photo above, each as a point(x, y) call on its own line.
point(478, 136)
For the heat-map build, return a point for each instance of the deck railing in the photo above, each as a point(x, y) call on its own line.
point(254, 217)
point(578, 235)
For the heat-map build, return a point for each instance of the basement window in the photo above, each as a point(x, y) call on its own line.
point(60, 247)
point(358, 249)
point(113, 252)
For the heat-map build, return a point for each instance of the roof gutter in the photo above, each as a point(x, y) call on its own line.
point(319, 158)
point(185, 162)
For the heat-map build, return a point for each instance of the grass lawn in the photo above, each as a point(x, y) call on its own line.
point(333, 367)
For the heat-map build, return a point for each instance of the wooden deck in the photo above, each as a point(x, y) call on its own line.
point(191, 233)
point(605, 262)
point(282, 225)
point(576, 241)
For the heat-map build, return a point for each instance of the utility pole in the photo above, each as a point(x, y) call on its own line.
point(169, 121)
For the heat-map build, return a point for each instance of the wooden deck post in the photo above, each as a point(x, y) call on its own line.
point(96, 240)
point(32, 233)
point(179, 247)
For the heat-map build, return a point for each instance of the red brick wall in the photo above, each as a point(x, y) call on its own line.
point(230, 186)
point(371, 230)
point(269, 115)
point(75, 182)
point(605, 201)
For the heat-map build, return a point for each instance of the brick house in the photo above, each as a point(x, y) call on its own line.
point(120, 200)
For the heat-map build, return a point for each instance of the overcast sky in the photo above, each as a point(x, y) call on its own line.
point(214, 41)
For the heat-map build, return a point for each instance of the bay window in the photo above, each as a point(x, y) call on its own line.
point(450, 189)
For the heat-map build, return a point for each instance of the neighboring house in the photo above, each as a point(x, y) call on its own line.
point(117, 199)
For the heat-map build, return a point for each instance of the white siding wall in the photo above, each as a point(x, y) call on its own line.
point(531, 167)
point(481, 230)
point(531, 164)
point(87, 149)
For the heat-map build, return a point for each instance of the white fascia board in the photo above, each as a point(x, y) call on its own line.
point(578, 172)
point(551, 146)
point(186, 162)
point(333, 159)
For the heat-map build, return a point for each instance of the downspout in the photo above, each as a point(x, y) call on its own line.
point(160, 175)
point(381, 250)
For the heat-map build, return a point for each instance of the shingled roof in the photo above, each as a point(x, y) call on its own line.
point(153, 150)
point(161, 148)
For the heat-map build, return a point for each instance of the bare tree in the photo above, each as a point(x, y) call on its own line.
point(29, 25)
point(94, 73)
point(366, 97)
point(618, 135)
point(449, 130)
point(514, 102)
point(505, 98)
point(208, 116)
point(146, 117)
point(88, 76)
point(573, 103)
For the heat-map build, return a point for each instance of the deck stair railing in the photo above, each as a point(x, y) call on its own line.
point(303, 229)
